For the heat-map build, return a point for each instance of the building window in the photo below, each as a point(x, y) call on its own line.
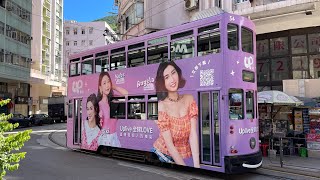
point(315, 66)
point(263, 48)
point(279, 46)
point(279, 69)
point(83, 42)
point(90, 42)
point(67, 43)
point(134, 15)
point(314, 43)
point(90, 30)
point(299, 44)
point(263, 69)
point(67, 31)
point(75, 31)
point(300, 67)
point(83, 31)
point(75, 43)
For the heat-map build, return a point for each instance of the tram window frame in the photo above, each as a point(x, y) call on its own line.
point(249, 48)
point(102, 61)
point(174, 47)
point(140, 101)
point(115, 63)
point(137, 53)
point(70, 109)
point(208, 32)
point(75, 62)
point(85, 71)
point(239, 114)
point(235, 45)
point(117, 103)
point(252, 105)
point(152, 100)
point(158, 56)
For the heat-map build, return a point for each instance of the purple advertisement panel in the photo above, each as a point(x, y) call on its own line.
point(169, 126)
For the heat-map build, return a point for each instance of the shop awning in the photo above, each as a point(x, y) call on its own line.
point(277, 98)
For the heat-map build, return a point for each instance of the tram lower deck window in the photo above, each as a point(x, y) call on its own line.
point(235, 104)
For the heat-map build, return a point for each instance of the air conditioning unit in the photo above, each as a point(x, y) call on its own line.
point(190, 4)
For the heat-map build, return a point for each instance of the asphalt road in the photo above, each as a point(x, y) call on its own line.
point(49, 161)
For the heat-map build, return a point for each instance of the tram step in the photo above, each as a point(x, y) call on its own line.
point(129, 155)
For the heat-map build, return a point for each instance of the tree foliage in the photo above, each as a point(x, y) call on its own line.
point(111, 20)
point(10, 143)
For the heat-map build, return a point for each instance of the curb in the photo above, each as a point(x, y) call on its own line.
point(54, 141)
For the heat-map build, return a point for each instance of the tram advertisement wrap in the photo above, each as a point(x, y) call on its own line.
point(152, 109)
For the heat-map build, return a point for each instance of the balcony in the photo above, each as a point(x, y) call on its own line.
point(268, 8)
point(47, 4)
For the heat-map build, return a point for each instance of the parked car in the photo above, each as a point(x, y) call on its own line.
point(21, 119)
point(39, 119)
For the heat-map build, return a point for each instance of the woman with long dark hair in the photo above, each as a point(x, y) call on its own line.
point(177, 118)
point(91, 126)
point(108, 125)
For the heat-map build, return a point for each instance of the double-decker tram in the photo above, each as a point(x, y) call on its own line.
point(185, 95)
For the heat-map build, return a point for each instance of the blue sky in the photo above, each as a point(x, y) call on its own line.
point(89, 10)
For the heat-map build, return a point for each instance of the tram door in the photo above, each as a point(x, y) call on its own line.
point(77, 119)
point(210, 128)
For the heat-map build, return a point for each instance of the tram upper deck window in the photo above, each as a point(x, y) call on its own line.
point(102, 62)
point(182, 45)
point(118, 59)
point(136, 55)
point(87, 65)
point(247, 40)
point(235, 104)
point(208, 40)
point(157, 50)
point(233, 37)
point(74, 67)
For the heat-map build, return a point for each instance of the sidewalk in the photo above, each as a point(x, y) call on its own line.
point(292, 164)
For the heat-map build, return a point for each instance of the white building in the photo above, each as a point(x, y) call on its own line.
point(79, 36)
point(47, 77)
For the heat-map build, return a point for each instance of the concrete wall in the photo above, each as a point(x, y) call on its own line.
point(302, 87)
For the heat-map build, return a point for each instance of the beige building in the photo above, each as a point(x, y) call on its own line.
point(288, 33)
point(47, 76)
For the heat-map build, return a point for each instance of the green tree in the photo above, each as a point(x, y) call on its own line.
point(11, 143)
point(111, 20)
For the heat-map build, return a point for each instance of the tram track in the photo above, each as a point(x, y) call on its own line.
point(266, 172)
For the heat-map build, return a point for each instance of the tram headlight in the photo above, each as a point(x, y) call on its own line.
point(252, 143)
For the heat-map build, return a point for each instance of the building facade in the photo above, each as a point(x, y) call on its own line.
point(15, 54)
point(288, 33)
point(47, 76)
point(79, 36)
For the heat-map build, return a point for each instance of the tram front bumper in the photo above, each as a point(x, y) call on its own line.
point(243, 163)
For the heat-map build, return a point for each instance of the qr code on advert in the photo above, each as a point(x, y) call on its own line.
point(206, 77)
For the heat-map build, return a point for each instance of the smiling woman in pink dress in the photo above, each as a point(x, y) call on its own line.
point(177, 118)
point(108, 125)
